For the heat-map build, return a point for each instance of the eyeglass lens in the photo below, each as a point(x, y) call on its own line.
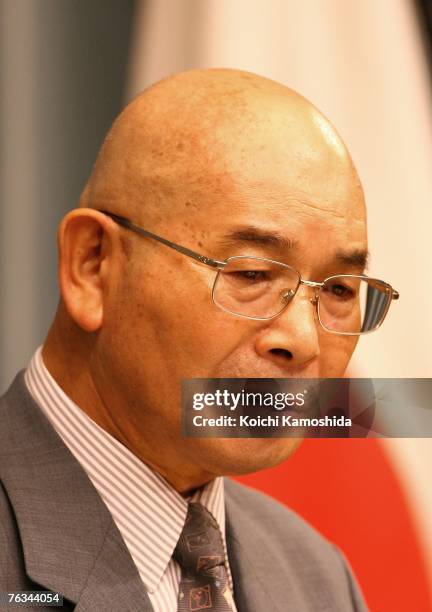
point(261, 288)
point(353, 305)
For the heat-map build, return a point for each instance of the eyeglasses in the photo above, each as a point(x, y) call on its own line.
point(261, 289)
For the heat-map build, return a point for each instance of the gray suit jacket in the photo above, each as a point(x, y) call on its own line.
point(56, 533)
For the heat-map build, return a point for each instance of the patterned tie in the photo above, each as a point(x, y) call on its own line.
point(200, 554)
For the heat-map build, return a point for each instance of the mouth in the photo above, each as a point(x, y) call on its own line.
point(270, 371)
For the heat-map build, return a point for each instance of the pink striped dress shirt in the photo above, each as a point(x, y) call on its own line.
point(148, 512)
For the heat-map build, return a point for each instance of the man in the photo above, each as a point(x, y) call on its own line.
point(99, 490)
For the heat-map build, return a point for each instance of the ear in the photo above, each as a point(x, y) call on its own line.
point(87, 242)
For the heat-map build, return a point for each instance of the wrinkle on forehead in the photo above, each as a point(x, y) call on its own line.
point(208, 132)
point(274, 198)
point(308, 206)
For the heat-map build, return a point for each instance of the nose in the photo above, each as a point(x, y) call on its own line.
point(292, 340)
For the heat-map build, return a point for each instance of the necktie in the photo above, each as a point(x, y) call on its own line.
point(200, 554)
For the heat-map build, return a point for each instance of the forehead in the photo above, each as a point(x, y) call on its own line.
point(273, 170)
point(307, 207)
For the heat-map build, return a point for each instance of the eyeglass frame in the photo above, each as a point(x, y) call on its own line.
point(220, 265)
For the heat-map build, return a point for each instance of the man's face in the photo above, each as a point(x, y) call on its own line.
point(161, 325)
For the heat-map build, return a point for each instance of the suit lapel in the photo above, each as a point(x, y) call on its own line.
point(70, 541)
point(113, 584)
point(260, 583)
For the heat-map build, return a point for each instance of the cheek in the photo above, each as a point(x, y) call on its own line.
point(170, 320)
point(335, 353)
point(201, 337)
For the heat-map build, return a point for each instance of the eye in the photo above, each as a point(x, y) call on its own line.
point(340, 291)
point(253, 276)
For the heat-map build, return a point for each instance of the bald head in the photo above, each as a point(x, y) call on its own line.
point(212, 130)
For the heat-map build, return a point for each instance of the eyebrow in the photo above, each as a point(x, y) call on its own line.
point(259, 237)
point(357, 258)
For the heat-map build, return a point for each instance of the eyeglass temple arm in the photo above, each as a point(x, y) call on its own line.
point(214, 263)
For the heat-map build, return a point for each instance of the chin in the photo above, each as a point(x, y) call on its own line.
point(237, 456)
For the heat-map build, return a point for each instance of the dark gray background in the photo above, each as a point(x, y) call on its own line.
point(62, 77)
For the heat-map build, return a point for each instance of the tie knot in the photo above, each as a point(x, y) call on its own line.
point(200, 548)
